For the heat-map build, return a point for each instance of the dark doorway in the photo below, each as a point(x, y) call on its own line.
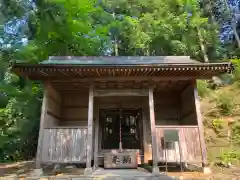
point(120, 124)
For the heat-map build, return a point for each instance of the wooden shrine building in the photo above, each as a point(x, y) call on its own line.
point(121, 111)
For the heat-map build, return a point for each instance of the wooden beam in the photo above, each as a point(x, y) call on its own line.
point(54, 115)
point(41, 129)
point(120, 78)
point(90, 131)
point(145, 135)
point(200, 124)
point(155, 169)
point(96, 137)
point(123, 92)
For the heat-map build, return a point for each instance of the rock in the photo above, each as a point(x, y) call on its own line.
point(37, 172)
point(229, 165)
point(88, 171)
point(20, 171)
point(207, 170)
point(57, 169)
point(70, 167)
point(56, 166)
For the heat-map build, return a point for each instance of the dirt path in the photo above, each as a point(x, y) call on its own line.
point(25, 169)
point(19, 168)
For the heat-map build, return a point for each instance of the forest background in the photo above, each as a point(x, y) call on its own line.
point(32, 30)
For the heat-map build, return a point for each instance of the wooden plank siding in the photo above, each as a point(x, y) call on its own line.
point(54, 102)
point(64, 145)
point(190, 145)
point(50, 114)
point(65, 126)
point(68, 145)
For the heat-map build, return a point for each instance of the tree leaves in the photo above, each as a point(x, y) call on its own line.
point(93, 28)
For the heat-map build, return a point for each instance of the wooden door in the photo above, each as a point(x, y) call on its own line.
point(124, 123)
point(110, 128)
point(130, 129)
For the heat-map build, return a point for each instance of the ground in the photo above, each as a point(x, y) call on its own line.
point(25, 169)
point(221, 112)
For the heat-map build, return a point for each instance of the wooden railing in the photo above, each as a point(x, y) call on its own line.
point(68, 145)
point(64, 144)
point(189, 143)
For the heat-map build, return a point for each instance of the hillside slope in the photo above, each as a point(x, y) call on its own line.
point(221, 110)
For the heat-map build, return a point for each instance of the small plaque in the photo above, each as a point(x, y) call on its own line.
point(171, 135)
point(120, 160)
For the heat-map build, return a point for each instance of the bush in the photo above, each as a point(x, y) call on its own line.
point(236, 133)
point(217, 125)
point(229, 156)
point(225, 103)
point(236, 74)
point(203, 88)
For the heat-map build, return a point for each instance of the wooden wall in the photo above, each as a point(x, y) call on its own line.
point(167, 112)
point(188, 148)
point(64, 145)
point(167, 108)
point(75, 109)
point(54, 101)
point(65, 127)
point(188, 110)
point(119, 102)
point(71, 110)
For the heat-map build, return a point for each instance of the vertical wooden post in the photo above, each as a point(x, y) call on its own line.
point(88, 169)
point(41, 128)
point(145, 134)
point(200, 124)
point(96, 140)
point(153, 132)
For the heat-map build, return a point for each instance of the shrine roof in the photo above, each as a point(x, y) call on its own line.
point(118, 60)
point(57, 67)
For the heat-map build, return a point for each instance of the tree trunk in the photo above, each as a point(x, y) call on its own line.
point(115, 40)
point(235, 33)
point(115, 46)
point(205, 57)
point(233, 23)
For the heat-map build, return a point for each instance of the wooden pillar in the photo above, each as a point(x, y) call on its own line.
point(41, 128)
point(200, 125)
point(88, 169)
point(153, 132)
point(96, 137)
point(145, 134)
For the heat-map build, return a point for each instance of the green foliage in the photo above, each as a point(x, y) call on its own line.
point(236, 133)
point(236, 74)
point(21, 111)
point(93, 28)
point(229, 156)
point(217, 125)
point(225, 103)
point(57, 28)
point(203, 88)
point(161, 27)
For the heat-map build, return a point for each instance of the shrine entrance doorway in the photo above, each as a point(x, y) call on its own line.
point(121, 128)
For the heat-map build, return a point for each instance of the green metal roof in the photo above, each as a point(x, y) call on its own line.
point(118, 60)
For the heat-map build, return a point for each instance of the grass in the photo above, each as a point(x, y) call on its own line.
point(221, 110)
